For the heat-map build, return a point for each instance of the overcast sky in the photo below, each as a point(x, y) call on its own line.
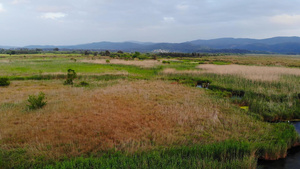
point(68, 22)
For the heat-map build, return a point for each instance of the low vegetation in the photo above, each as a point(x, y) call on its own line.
point(36, 102)
point(271, 101)
point(251, 72)
point(145, 114)
point(4, 81)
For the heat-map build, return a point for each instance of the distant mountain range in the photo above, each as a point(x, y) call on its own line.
point(282, 45)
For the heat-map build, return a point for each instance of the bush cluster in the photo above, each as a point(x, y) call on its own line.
point(166, 62)
point(4, 81)
point(70, 77)
point(36, 102)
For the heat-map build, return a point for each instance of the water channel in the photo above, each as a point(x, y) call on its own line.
point(292, 161)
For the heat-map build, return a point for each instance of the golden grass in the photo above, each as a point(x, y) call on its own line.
point(127, 116)
point(263, 73)
point(4, 61)
point(255, 59)
point(144, 63)
point(251, 72)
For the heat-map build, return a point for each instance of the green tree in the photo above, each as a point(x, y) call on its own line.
point(107, 53)
point(86, 52)
point(136, 54)
point(70, 77)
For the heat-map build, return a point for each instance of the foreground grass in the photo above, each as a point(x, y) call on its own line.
point(227, 154)
point(128, 117)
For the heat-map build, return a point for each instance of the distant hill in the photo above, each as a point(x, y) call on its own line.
point(7, 47)
point(286, 44)
point(282, 45)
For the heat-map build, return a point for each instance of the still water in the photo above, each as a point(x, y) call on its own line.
point(292, 161)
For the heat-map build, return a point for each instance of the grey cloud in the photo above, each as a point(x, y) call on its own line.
point(73, 21)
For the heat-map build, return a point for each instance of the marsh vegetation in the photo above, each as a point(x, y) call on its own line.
point(134, 113)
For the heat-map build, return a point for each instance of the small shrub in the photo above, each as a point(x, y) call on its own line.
point(73, 59)
point(107, 61)
point(70, 77)
point(83, 83)
point(36, 102)
point(166, 62)
point(4, 81)
point(221, 63)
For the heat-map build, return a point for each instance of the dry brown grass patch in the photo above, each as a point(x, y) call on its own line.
point(4, 61)
point(127, 116)
point(131, 115)
point(251, 72)
point(143, 63)
point(264, 73)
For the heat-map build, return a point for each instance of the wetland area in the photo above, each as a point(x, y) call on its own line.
point(64, 110)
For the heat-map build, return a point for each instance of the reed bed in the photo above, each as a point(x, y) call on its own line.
point(143, 63)
point(270, 100)
point(259, 60)
point(223, 155)
point(251, 72)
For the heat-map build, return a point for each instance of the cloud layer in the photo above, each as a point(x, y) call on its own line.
point(1, 8)
point(66, 22)
point(53, 15)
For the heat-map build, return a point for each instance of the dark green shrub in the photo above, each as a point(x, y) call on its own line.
point(221, 63)
point(70, 77)
point(136, 54)
point(239, 93)
point(36, 102)
point(142, 57)
point(4, 81)
point(165, 62)
point(83, 83)
point(107, 61)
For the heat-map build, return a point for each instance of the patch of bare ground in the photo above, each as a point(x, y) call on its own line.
point(127, 116)
point(142, 63)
